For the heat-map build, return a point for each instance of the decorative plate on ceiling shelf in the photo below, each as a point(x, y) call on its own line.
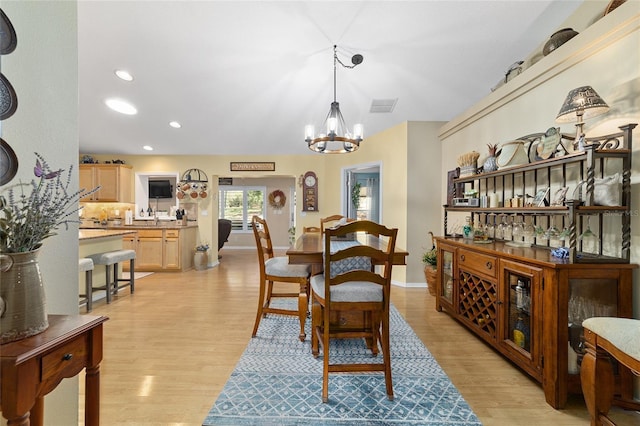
point(8, 98)
point(8, 39)
point(8, 162)
point(612, 5)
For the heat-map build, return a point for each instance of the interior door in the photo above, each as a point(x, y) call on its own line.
point(363, 199)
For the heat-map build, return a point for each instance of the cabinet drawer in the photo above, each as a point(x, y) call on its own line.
point(477, 262)
point(150, 233)
point(66, 361)
point(172, 233)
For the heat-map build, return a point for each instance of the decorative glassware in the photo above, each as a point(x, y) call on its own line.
point(490, 227)
point(500, 227)
point(552, 233)
point(507, 231)
point(589, 241)
point(518, 227)
point(528, 230)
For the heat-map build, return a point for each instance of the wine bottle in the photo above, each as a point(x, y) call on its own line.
point(520, 333)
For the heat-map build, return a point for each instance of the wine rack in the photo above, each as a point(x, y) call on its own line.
point(478, 303)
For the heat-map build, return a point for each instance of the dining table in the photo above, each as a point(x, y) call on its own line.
point(309, 248)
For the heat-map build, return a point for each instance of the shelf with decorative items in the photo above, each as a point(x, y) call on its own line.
point(514, 256)
point(567, 194)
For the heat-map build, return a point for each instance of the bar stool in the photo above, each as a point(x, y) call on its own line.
point(112, 258)
point(86, 265)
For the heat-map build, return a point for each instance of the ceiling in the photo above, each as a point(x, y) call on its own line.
point(245, 77)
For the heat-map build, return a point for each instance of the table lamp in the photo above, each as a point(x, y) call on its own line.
point(579, 104)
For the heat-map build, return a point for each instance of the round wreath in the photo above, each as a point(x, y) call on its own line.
point(277, 199)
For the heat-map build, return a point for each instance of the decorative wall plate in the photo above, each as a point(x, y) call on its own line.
point(8, 39)
point(8, 98)
point(549, 143)
point(533, 151)
point(8, 163)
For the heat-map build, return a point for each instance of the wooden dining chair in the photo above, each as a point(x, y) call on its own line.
point(277, 269)
point(607, 338)
point(327, 222)
point(352, 284)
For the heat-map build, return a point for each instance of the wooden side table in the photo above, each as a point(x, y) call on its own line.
point(33, 367)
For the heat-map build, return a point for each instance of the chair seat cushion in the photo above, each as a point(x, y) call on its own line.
point(351, 291)
point(85, 264)
point(623, 333)
point(111, 257)
point(280, 267)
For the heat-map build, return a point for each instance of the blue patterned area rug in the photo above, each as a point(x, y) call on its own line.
point(278, 382)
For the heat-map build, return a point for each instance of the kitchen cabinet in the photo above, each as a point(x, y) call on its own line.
point(115, 181)
point(529, 306)
point(171, 256)
point(162, 249)
point(149, 250)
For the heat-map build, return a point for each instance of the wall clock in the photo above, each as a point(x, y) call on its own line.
point(310, 192)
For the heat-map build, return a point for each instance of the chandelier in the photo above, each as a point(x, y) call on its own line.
point(337, 139)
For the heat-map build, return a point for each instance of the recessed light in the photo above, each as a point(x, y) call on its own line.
point(147, 148)
point(175, 124)
point(121, 106)
point(124, 75)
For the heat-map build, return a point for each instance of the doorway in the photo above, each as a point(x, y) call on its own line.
point(363, 193)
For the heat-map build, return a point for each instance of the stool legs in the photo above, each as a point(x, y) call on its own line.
point(108, 284)
point(132, 264)
point(89, 290)
point(131, 282)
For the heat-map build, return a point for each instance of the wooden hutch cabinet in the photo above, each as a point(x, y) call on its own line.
point(523, 301)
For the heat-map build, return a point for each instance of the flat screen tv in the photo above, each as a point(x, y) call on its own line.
point(160, 189)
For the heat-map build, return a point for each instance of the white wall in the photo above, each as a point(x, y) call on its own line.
point(44, 72)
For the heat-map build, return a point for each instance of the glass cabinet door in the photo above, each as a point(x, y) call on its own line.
point(588, 297)
point(446, 277)
point(521, 328)
point(519, 311)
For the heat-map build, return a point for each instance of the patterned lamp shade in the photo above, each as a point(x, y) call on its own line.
point(582, 102)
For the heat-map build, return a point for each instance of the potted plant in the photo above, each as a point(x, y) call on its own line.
point(30, 213)
point(429, 258)
point(355, 195)
point(292, 235)
point(201, 256)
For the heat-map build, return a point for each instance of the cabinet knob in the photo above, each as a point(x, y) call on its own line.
point(489, 265)
point(462, 257)
point(498, 302)
point(67, 357)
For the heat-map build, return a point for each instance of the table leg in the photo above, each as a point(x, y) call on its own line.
point(92, 396)
point(303, 306)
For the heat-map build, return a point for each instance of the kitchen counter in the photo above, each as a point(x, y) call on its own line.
point(90, 234)
point(162, 224)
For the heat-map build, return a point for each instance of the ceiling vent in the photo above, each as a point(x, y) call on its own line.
point(383, 105)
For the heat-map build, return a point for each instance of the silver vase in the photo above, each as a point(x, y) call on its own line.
point(490, 164)
point(22, 299)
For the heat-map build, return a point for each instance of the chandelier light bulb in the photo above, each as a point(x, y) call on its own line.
point(358, 131)
point(309, 132)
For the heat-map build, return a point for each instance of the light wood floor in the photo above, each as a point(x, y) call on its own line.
point(170, 347)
